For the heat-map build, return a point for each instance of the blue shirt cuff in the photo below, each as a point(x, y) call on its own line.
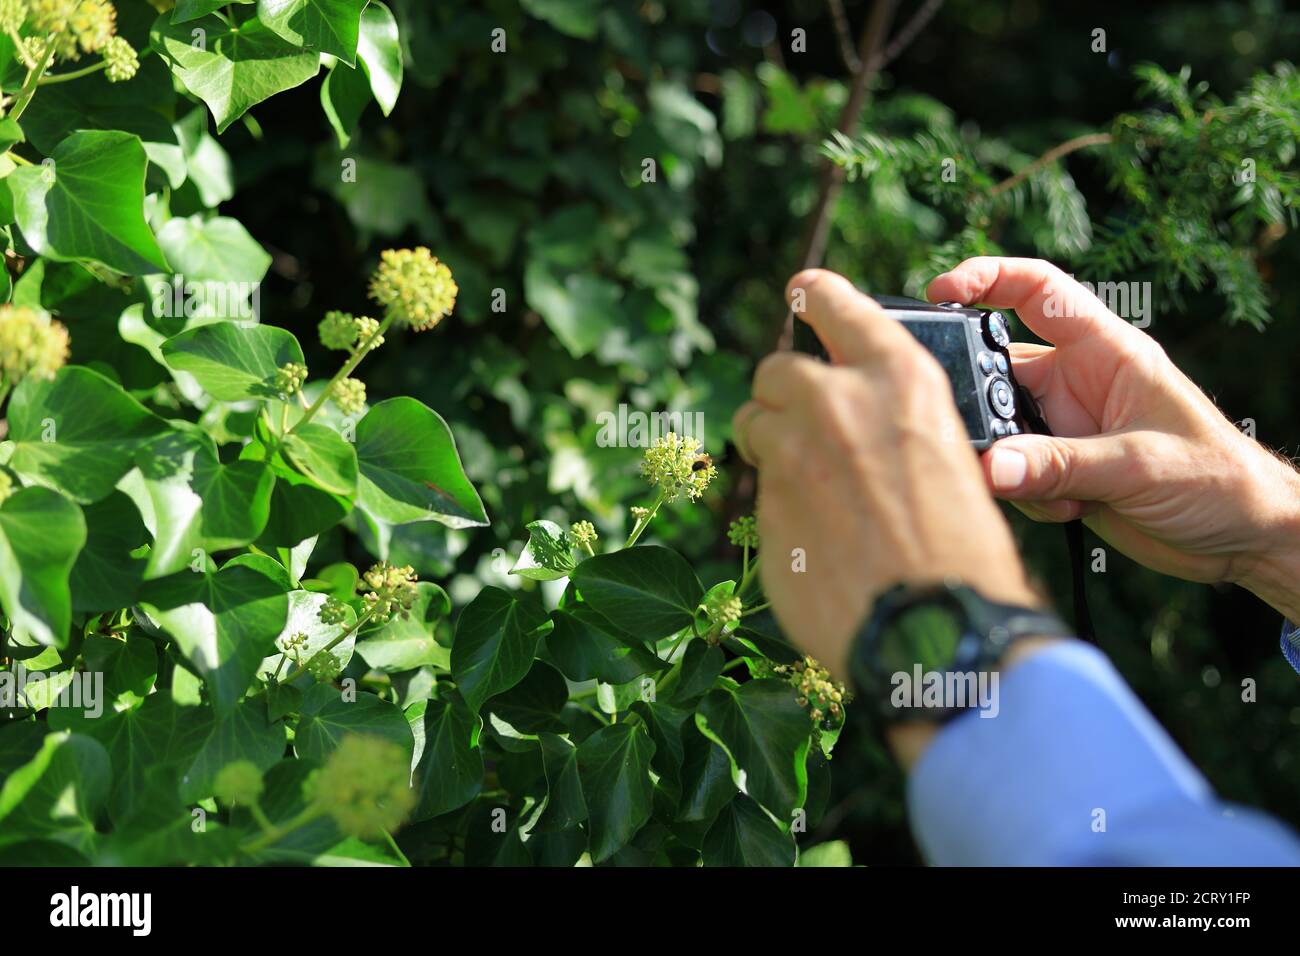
point(1072, 770)
point(1291, 644)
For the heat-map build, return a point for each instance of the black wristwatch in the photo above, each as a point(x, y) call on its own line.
point(931, 652)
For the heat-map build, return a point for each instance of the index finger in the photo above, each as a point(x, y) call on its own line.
point(852, 326)
point(1051, 303)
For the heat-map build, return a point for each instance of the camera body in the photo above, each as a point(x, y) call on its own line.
point(972, 346)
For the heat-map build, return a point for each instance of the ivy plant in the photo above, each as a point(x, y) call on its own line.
point(189, 673)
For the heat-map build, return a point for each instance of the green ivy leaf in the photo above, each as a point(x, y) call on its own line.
point(89, 203)
point(324, 456)
point(766, 734)
point(533, 705)
point(194, 502)
point(579, 309)
point(584, 647)
point(448, 770)
point(380, 52)
point(41, 533)
point(548, 554)
point(614, 766)
point(327, 717)
point(405, 643)
point(700, 666)
point(224, 622)
point(410, 469)
point(77, 433)
point(187, 10)
point(577, 18)
point(495, 643)
point(244, 733)
point(566, 806)
point(328, 26)
point(214, 249)
point(743, 835)
point(649, 591)
point(236, 68)
point(58, 794)
point(106, 575)
point(233, 362)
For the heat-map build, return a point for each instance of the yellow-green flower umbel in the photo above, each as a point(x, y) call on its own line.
point(391, 590)
point(414, 287)
point(338, 330)
point(677, 466)
point(32, 345)
point(77, 26)
point(239, 782)
point(120, 60)
point(365, 786)
point(289, 379)
point(350, 396)
point(584, 534)
point(743, 532)
point(12, 15)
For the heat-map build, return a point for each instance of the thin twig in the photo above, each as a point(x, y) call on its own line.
point(1051, 156)
point(814, 243)
point(841, 21)
point(910, 31)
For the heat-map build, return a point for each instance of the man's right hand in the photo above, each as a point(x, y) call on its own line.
point(1140, 452)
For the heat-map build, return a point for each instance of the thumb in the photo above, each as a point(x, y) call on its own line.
point(1045, 468)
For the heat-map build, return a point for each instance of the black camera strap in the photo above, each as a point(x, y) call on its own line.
point(1073, 531)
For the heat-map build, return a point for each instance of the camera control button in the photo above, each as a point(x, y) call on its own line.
point(999, 428)
point(998, 331)
point(1013, 428)
point(1000, 361)
point(985, 361)
point(1001, 398)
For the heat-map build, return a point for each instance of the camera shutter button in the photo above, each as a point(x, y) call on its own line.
point(998, 331)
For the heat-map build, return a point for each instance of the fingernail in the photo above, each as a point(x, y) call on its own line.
point(1008, 469)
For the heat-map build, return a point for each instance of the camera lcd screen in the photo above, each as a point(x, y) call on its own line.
point(949, 342)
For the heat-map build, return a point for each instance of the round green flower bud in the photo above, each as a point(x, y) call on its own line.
point(289, 379)
point(365, 786)
point(122, 62)
point(350, 396)
point(31, 344)
point(12, 15)
point(584, 533)
point(333, 611)
point(414, 287)
point(743, 532)
point(338, 330)
point(238, 782)
point(324, 666)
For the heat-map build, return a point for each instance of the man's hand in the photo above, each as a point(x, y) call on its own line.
point(1156, 469)
point(866, 470)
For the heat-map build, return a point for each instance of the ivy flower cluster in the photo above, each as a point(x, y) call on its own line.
point(32, 345)
point(584, 534)
point(821, 696)
point(743, 532)
point(324, 666)
point(344, 331)
point(723, 609)
point(677, 466)
point(414, 287)
point(289, 379)
point(238, 782)
point(73, 27)
point(349, 395)
point(391, 591)
point(333, 611)
point(364, 786)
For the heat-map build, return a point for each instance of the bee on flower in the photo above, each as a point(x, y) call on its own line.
point(678, 466)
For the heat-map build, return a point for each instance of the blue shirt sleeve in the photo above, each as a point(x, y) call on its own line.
point(1073, 771)
point(1291, 644)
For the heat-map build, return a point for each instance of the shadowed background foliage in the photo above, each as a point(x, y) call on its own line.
point(523, 170)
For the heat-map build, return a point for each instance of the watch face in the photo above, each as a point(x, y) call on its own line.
point(926, 634)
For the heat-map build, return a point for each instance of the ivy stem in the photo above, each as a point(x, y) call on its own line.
point(20, 48)
point(293, 676)
point(279, 832)
point(756, 608)
point(747, 578)
point(29, 86)
point(361, 352)
point(641, 525)
point(74, 75)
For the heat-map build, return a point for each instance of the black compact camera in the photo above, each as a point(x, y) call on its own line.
point(971, 345)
